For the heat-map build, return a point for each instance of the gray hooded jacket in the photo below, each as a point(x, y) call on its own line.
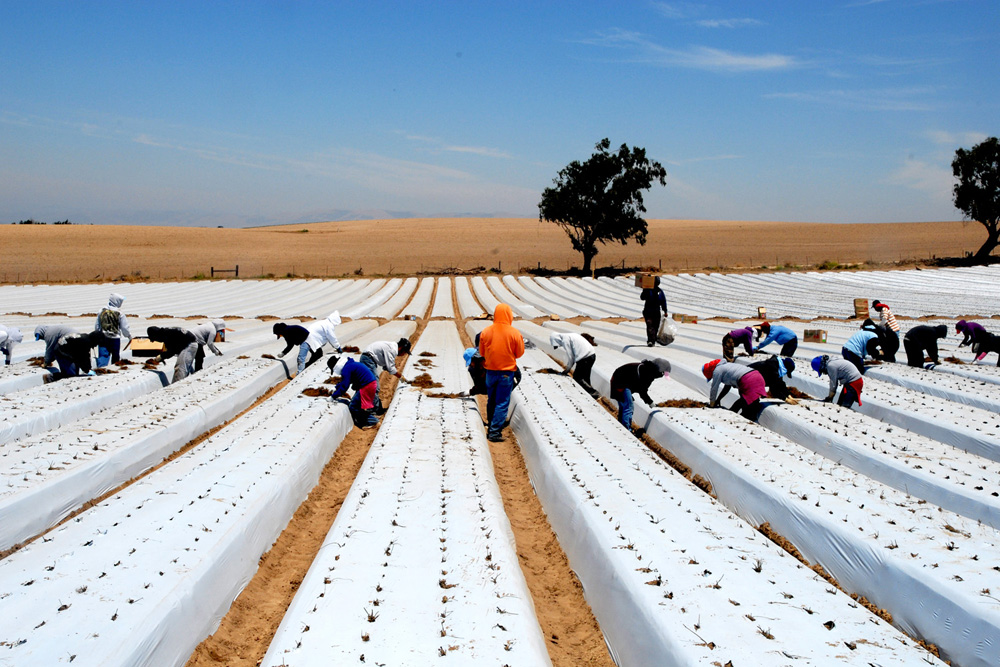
point(51, 334)
point(205, 334)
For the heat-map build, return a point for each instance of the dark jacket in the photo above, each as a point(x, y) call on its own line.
point(292, 333)
point(174, 339)
point(77, 347)
point(354, 375)
point(926, 337)
point(636, 378)
point(768, 368)
point(654, 300)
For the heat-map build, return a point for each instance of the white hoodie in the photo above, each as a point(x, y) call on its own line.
point(576, 346)
point(323, 331)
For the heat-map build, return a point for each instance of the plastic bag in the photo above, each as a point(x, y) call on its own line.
point(667, 332)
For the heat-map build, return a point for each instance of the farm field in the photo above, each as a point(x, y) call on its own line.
point(237, 517)
point(96, 253)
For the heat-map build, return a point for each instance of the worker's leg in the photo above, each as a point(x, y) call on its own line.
point(890, 346)
point(199, 358)
point(914, 353)
point(728, 348)
point(582, 372)
point(303, 355)
point(499, 385)
point(858, 362)
point(652, 327)
point(625, 407)
point(848, 397)
point(184, 365)
point(788, 349)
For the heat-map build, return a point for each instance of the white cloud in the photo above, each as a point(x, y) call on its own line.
point(696, 57)
point(883, 99)
point(479, 150)
point(955, 139)
point(727, 23)
point(933, 179)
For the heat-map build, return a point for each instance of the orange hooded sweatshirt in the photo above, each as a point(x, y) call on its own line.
point(500, 343)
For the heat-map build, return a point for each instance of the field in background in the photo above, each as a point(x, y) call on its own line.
point(41, 253)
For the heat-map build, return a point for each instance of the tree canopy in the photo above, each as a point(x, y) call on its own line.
point(600, 200)
point(977, 193)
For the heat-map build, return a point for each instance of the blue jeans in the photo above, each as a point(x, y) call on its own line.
point(625, 405)
point(858, 362)
point(304, 351)
point(108, 353)
point(499, 385)
point(67, 367)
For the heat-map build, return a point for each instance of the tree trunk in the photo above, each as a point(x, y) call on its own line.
point(982, 255)
point(588, 255)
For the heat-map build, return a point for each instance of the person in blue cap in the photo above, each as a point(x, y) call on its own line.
point(844, 373)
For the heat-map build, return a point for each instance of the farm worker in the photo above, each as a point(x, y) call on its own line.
point(654, 302)
point(983, 342)
point(635, 378)
point(205, 335)
point(864, 343)
point(383, 353)
point(580, 352)
point(113, 323)
point(890, 331)
point(736, 337)
point(9, 337)
point(76, 348)
point(51, 333)
point(176, 342)
point(293, 335)
point(725, 375)
point(921, 338)
point(361, 379)
point(841, 372)
point(500, 345)
point(320, 333)
point(775, 333)
point(774, 370)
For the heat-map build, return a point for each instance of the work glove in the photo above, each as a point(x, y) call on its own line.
point(91, 372)
point(219, 353)
point(340, 350)
point(565, 372)
point(828, 399)
point(281, 354)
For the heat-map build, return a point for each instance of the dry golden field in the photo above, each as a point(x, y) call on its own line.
point(50, 253)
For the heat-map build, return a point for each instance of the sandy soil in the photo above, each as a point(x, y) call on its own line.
point(37, 253)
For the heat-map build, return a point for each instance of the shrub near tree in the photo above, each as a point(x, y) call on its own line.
point(977, 193)
point(600, 200)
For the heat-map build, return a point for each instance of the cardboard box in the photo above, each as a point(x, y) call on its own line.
point(681, 317)
point(861, 308)
point(143, 347)
point(814, 336)
point(645, 280)
point(762, 312)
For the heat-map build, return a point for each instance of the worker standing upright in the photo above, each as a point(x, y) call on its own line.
point(654, 303)
point(500, 345)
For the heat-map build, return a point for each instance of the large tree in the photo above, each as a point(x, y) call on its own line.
point(600, 200)
point(977, 193)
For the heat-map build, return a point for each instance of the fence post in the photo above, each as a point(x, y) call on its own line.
point(213, 271)
point(237, 270)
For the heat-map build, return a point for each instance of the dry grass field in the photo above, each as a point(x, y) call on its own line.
point(50, 253)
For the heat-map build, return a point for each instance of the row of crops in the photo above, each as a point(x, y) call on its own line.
point(816, 535)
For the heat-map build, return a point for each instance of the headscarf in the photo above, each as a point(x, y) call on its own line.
point(708, 370)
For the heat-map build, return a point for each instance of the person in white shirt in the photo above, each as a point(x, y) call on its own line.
point(382, 354)
point(580, 352)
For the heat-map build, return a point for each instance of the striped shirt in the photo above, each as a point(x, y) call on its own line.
point(886, 318)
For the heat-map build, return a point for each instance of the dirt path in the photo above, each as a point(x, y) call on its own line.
point(247, 629)
point(571, 632)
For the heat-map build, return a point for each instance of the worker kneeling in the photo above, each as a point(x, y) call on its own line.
point(360, 378)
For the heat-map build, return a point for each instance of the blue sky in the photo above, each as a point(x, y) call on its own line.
point(245, 113)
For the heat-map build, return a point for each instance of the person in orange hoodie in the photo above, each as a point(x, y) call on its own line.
point(500, 345)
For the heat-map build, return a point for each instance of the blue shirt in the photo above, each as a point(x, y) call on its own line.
point(858, 343)
point(354, 375)
point(778, 334)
